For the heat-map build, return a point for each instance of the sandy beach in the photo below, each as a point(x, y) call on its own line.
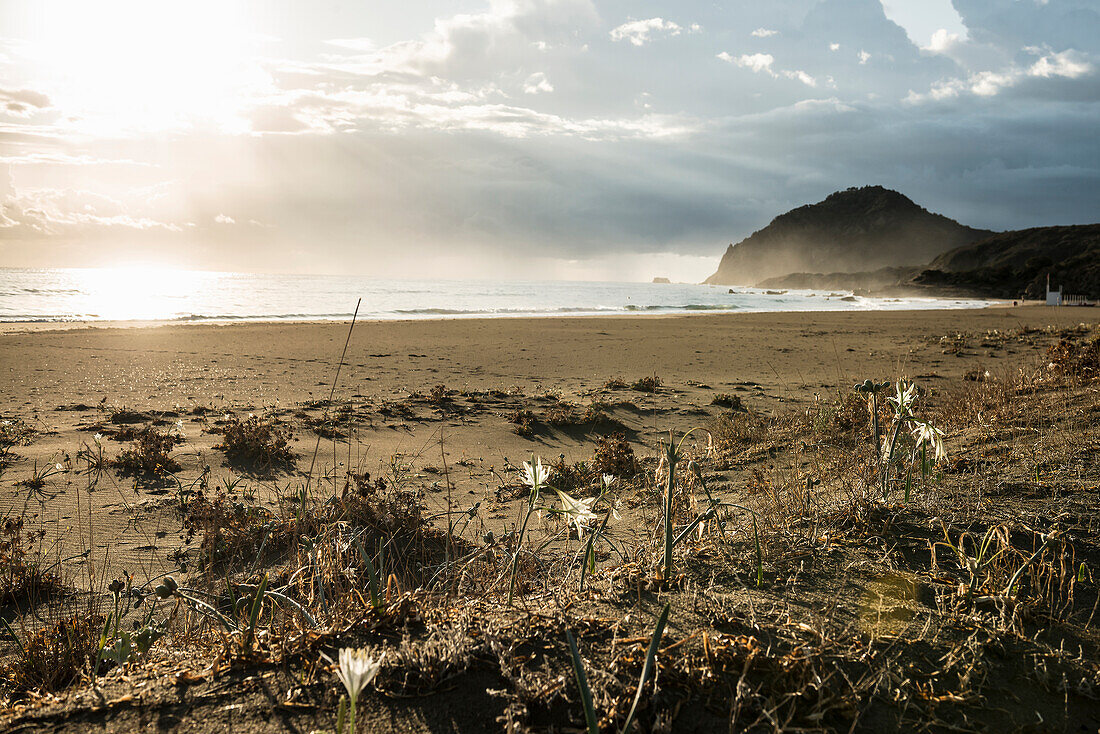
point(261, 364)
point(66, 384)
point(429, 422)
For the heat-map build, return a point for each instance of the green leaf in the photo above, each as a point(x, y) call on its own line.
point(372, 575)
point(144, 638)
point(582, 683)
point(650, 663)
point(342, 715)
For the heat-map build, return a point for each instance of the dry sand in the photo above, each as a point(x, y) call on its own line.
point(64, 383)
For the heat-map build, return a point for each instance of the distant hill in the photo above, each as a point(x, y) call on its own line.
point(857, 230)
point(1011, 264)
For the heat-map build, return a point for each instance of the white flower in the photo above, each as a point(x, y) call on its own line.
point(59, 467)
point(356, 669)
point(535, 476)
point(179, 428)
point(608, 480)
point(98, 438)
point(927, 434)
point(579, 511)
point(903, 397)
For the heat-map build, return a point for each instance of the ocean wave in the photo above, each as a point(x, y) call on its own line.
point(17, 318)
point(685, 307)
point(56, 318)
point(260, 317)
point(502, 311)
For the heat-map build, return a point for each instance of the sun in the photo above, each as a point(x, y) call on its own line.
point(119, 67)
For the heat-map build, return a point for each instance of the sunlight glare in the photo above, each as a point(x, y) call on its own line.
point(150, 65)
point(137, 293)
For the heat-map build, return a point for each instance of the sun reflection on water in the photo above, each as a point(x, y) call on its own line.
point(137, 293)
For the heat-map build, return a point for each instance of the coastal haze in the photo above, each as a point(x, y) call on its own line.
point(549, 366)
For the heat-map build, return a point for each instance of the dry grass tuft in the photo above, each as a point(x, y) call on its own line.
point(54, 657)
point(23, 581)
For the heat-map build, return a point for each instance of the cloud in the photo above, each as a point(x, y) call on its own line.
point(23, 102)
point(764, 33)
point(469, 73)
point(756, 62)
point(537, 83)
point(224, 219)
point(41, 213)
point(942, 41)
point(26, 97)
point(640, 32)
point(1068, 64)
point(762, 63)
point(1011, 25)
point(353, 44)
point(801, 76)
point(989, 83)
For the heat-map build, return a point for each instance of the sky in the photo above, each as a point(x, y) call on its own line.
point(542, 139)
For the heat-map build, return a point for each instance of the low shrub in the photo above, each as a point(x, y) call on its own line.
point(523, 422)
point(1075, 358)
point(148, 455)
point(725, 400)
point(615, 456)
point(570, 478)
point(562, 414)
point(257, 443)
point(13, 433)
point(231, 531)
point(125, 416)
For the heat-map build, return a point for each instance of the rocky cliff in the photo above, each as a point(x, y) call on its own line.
point(857, 230)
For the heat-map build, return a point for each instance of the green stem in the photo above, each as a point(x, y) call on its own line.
point(759, 553)
point(875, 426)
point(672, 457)
point(890, 458)
point(515, 554)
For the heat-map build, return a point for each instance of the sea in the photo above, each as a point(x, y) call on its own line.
point(128, 294)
